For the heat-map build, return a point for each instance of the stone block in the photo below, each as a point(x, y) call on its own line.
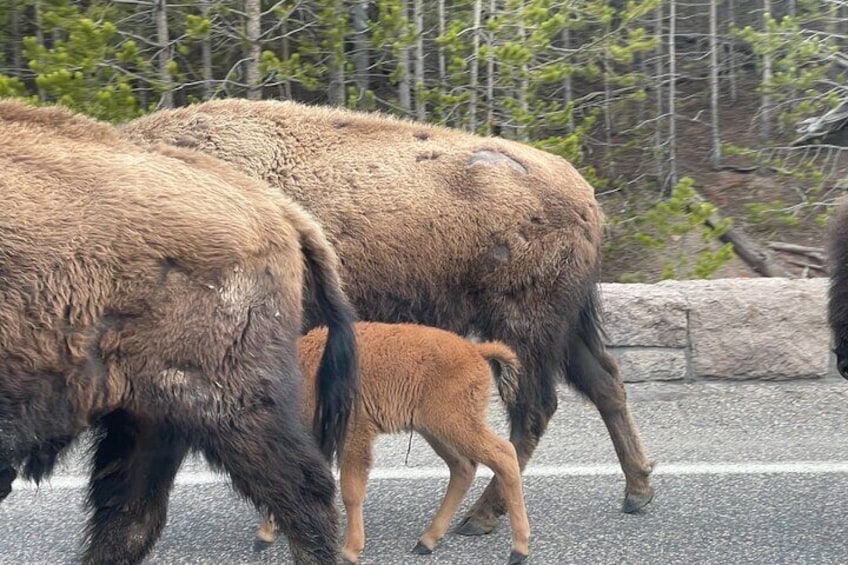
point(645, 315)
point(759, 328)
point(640, 364)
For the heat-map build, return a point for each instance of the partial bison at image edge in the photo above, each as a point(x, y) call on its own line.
point(155, 296)
point(475, 235)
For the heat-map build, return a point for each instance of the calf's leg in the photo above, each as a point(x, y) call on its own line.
point(134, 469)
point(462, 472)
point(482, 444)
point(354, 468)
point(536, 405)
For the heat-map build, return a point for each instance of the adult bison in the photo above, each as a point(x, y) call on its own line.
point(448, 229)
point(156, 297)
point(837, 252)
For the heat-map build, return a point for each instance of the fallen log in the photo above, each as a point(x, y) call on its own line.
point(812, 252)
point(754, 255)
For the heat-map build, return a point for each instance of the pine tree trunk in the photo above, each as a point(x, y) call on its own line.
point(473, 80)
point(336, 88)
point(715, 158)
point(361, 59)
point(766, 103)
point(39, 37)
point(522, 81)
point(672, 93)
point(160, 12)
point(286, 48)
point(491, 120)
point(404, 91)
point(15, 32)
point(659, 146)
point(420, 102)
point(206, 57)
point(443, 69)
point(567, 87)
point(731, 56)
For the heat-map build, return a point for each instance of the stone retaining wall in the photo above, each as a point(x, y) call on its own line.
point(739, 329)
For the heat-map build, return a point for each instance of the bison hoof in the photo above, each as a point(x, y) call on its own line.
point(515, 558)
point(261, 544)
point(634, 502)
point(473, 526)
point(421, 549)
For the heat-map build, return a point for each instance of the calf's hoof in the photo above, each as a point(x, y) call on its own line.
point(634, 502)
point(515, 558)
point(421, 549)
point(475, 526)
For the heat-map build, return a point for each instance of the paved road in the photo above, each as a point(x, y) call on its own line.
point(749, 473)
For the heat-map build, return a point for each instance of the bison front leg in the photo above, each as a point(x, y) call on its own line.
point(134, 470)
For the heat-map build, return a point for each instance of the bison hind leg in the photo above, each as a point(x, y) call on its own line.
point(7, 477)
point(43, 458)
point(274, 462)
point(134, 469)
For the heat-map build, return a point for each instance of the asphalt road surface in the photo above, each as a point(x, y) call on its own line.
point(748, 473)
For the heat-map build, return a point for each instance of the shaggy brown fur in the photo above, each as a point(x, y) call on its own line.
point(156, 297)
point(837, 253)
point(435, 383)
point(447, 229)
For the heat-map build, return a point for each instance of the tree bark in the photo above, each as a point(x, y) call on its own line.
point(361, 58)
point(474, 71)
point(731, 55)
point(567, 86)
point(715, 158)
point(443, 69)
point(659, 145)
point(160, 11)
point(420, 102)
point(336, 88)
point(494, 128)
point(672, 93)
point(206, 56)
point(404, 94)
point(765, 103)
point(15, 32)
point(522, 80)
point(816, 253)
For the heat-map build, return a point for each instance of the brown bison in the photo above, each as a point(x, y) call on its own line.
point(156, 297)
point(837, 253)
point(447, 229)
point(437, 384)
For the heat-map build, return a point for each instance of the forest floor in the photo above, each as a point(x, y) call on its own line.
point(732, 189)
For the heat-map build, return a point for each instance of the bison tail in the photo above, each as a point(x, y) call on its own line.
point(337, 383)
point(505, 366)
point(589, 331)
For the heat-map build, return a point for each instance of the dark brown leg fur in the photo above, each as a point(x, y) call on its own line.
point(7, 477)
point(274, 462)
point(134, 470)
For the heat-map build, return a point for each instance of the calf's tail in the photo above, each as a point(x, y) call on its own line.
point(505, 366)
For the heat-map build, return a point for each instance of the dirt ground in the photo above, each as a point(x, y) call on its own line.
point(739, 183)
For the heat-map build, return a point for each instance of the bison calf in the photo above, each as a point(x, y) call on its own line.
point(435, 383)
point(156, 297)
